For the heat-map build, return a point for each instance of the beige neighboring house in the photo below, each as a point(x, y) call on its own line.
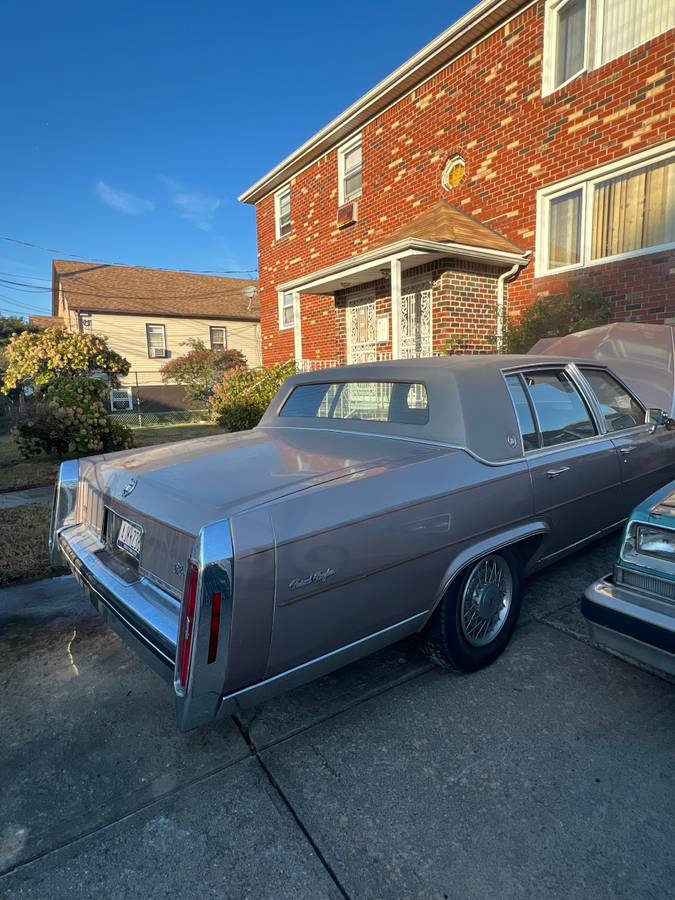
point(149, 315)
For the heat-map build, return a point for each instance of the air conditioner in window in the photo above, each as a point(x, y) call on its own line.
point(347, 214)
point(157, 353)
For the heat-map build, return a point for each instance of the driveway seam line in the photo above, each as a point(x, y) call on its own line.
point(274, 784)
point(357, 702)
point(93, 831)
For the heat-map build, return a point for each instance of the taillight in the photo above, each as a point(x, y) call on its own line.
point(215, 626)
point(187, 621)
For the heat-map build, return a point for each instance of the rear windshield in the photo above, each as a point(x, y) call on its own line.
point(404, 403)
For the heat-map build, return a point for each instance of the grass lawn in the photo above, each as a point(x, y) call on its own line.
point(17, 473)
point(23, 543)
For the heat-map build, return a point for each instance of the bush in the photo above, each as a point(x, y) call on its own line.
point(200, 369)
point(241, 398)
point(38, 358)
point(557, 316)
point(70, 419)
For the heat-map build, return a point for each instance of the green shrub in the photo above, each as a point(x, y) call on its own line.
point(557, 316)
point(71, 419)
point(38, 358)
point(200, 369)
point(240, 399)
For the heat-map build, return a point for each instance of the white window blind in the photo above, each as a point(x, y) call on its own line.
point(629, 23)
point(571, 40)
point(284, 212)
point(287, 310)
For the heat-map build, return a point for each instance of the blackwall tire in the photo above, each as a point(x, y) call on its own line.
point(474, 621)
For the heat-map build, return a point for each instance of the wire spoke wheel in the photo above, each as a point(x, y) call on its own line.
point(486, 600)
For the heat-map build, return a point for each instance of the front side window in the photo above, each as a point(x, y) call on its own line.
point(604, 216)
point(286, 310)
point(282, 202)
point(218, 338)
point(350, 172)
point(562, 414)
point(404, 403)
point(619, 408)
point(156, 337)
point(528, 429)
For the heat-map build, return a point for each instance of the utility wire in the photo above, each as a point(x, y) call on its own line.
point(77, 256)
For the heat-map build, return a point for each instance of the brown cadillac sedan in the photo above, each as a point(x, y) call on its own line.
point(371, 502)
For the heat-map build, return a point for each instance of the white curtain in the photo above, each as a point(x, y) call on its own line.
point(629, 23)
point(634, 211)
point(564, 229)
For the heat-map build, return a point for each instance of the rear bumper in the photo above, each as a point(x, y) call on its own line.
point(620, 620)
point(144, 616)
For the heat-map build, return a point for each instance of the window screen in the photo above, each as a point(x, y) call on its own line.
point(562, 413)
point(375, 401)
point(619, 408)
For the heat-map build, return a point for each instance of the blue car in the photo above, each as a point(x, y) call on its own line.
point(632, 611)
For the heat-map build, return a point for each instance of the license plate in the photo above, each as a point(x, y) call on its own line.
point(129, 538)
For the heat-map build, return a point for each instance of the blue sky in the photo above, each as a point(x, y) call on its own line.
point(129, 129)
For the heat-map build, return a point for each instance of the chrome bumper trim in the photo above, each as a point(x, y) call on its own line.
point(144, 616)
point(620, 620)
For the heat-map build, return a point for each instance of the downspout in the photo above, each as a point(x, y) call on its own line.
point(501, 306)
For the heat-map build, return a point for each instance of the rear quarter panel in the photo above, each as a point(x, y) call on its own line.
point(365, 552)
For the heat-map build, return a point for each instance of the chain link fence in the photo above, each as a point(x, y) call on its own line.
point(142, 400)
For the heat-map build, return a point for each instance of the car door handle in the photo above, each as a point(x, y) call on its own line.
point(626, 450)
point(553, 473)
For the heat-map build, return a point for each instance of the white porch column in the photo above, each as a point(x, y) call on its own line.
point(395, 308)
point(297, 327)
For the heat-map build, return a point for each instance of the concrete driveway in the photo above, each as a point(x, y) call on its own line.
point(550, 774)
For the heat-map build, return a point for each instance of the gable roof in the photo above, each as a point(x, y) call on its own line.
point(136, 290)
point(451, 43)
point(441, 222)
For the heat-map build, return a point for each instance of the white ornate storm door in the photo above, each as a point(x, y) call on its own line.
point(415, 324)
point(361, 330)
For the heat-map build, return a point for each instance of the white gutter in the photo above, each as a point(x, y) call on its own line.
point(420, 66)
point(501, 307)
point(401, 249)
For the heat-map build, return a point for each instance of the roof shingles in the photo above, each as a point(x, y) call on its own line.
point(136, 290)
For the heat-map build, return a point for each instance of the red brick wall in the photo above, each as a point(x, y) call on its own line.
point(486, 105)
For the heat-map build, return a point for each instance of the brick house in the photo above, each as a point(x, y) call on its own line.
point(149, 316)
point(528, 149)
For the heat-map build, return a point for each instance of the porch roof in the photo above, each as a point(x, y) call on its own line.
point(441, 230)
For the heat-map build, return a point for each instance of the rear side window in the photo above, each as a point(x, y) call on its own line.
point(528, 429)
point(563, 416)
point(404, 403)
point(619, 408)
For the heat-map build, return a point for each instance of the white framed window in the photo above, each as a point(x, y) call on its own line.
point(218, 337)
point(121, 399)
point(349, 171)
point(282, 211)
point(580, 35)
point(156, 338)
point(286, 309)
point(85, 323)
point(613, 212)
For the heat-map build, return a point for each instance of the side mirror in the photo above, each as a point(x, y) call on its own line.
point(657, 417)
